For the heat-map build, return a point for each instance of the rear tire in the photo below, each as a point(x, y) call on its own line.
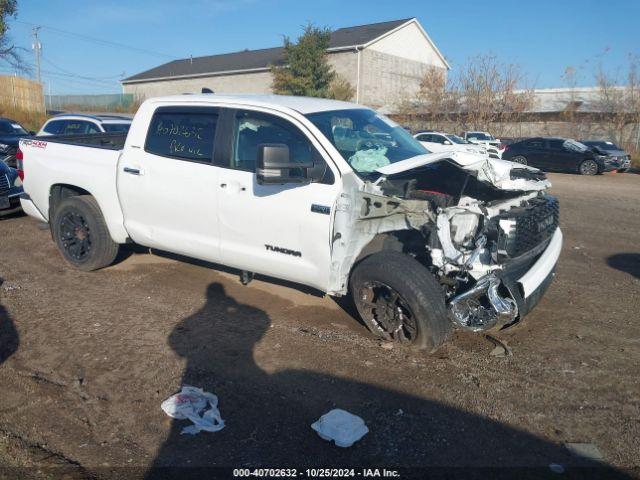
point(81, 234)
point(399, 300)
point(588, 167)
point(519, 159)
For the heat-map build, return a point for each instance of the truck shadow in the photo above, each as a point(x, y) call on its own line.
point(626, 262)
point(268, 416)
point(9, 339)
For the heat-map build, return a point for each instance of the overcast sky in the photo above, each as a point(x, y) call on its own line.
point(543, 36)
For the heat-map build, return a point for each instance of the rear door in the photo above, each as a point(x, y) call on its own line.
point(282, 231)
point(559, 158)
point(168, 185)
point(535, 152)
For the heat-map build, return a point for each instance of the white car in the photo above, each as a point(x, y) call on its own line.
point(81, 124)
point(266, 184)
point(485, 139)
point(443, 142)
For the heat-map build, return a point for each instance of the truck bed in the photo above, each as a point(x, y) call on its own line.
point(89, 161)
point(109, 141)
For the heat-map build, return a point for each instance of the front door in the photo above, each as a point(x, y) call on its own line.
point(282, 231)
point(168, 186)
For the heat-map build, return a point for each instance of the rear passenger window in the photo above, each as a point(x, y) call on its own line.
point(79, 127)
point(186, 135)
point(54, 127)
point(534, 144)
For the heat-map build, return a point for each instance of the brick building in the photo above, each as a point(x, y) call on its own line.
point(383, 61)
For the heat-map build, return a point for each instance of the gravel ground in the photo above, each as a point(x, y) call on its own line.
point(87, 358)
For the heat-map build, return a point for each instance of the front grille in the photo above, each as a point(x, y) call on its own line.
point(4, 183)
point(530, 226)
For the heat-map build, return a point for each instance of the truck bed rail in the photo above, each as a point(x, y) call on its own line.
point(108, 141)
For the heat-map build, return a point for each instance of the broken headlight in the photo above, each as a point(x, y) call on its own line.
point(464, 227)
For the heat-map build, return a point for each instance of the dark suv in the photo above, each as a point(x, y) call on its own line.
point(10, 134)
point(559, 155)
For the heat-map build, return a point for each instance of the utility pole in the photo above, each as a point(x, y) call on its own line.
point(37, 47)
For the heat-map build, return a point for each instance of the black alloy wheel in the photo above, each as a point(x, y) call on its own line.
point(75, 235)
point(389, 311)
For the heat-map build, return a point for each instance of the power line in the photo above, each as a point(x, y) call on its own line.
point(98, 41)
point(110, 77)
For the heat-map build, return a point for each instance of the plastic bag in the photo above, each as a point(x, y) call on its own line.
point(342, 427)
point(191, 403)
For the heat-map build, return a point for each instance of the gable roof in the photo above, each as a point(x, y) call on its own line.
point(256, 60)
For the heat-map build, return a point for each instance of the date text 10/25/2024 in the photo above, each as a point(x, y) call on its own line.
point(316, 473)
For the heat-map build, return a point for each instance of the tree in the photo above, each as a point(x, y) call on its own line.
point(305, 70)
point(488, 92)
point(341, 89)
point(8, 51)
point(619, 103)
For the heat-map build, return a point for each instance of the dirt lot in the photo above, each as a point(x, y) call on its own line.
point(87, 358)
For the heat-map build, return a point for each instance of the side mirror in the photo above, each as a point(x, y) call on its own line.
point(447, 142)
point(32, 133)
point(274, 166)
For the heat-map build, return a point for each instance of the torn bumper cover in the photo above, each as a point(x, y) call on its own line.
point(502, 297)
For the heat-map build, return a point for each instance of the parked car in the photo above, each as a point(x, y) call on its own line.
point(81, 124)
point(559, 155)
point(442, 142)
point(611, 149)
point(10, 133)
point(484, 138)
point(423, 242)
point(504, 142)
point(10, 189)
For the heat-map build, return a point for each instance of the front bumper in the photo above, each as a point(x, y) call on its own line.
point(528, 282)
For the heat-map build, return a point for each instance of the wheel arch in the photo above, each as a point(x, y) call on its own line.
point(61, 191)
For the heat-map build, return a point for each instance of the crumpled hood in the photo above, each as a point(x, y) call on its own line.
point(489, 170)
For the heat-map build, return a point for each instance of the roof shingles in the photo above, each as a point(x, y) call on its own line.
point(260, 59)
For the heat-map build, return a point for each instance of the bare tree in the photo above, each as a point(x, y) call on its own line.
point(9, 53)
point(489, 92)
point(484, 94)
point(341, 89)
point(619, 103)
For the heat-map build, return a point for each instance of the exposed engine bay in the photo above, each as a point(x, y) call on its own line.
point(470, 222)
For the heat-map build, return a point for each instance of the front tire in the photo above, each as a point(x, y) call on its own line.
point(81, 234)
point(589, 167)
point(519, 159)
point(399, 300)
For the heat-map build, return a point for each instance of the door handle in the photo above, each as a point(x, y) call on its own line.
point(132, 171)
point(223, 185)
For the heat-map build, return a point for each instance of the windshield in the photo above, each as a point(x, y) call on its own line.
point(116, 127)
point(457, 139)
point(11, 128)
point(479, 136)
point(575, 146)
point(366, 139)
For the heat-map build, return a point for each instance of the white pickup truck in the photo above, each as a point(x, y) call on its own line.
point(274, 185)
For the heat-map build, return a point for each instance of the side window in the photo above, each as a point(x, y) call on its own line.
point(186, 135)
point(5, 128)
point(534, 144)
point(556, 144)
point(54, 127)
point(439, 139)
point(251, 129)
point(93, 128)
point(422, 137)
point(76, 127)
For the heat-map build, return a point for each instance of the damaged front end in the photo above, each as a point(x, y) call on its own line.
point(470, 223)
